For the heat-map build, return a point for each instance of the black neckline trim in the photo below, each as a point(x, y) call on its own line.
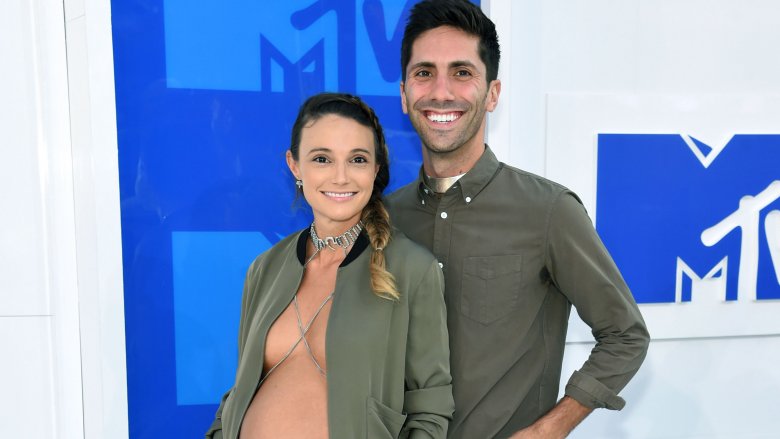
point(357, 248)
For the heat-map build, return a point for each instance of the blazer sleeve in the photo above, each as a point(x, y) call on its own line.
point(428, 400)
point(215, 430)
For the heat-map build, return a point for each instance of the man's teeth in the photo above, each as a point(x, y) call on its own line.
point(340, 194)
point(449, 117)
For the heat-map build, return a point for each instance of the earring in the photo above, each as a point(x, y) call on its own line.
point(299, 183)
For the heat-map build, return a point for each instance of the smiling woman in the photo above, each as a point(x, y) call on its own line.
point(342, 330)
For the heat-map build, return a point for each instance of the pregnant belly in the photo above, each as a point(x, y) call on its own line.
point(291, 403)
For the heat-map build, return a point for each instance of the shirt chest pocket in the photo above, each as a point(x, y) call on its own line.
point(490, 287)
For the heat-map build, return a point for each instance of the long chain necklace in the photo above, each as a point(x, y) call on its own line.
point(302, 331)
point(344, 241)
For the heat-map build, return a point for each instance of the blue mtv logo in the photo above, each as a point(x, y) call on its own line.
point(298, 46)
point(690, 222)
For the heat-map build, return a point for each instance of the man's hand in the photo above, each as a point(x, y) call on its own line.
point(557, 423)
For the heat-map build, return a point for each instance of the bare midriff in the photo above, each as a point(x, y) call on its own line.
point(292, 400)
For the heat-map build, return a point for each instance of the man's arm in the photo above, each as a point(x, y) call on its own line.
point(582, 269)
point(557, 423)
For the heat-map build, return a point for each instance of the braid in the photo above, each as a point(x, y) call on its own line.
point(377, 222)
point(376, 218)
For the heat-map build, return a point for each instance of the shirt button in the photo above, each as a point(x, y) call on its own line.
point(444, 215)
point(468, 199)
point(441, 265)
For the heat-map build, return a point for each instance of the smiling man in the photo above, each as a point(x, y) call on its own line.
point(517, 250)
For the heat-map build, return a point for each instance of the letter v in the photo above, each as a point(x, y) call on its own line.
point(374, 19)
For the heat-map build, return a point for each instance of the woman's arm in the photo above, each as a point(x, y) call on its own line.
point(215, 431)
point(428, 400)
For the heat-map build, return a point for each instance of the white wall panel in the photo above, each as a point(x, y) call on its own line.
point(26, 379)
point(39, 286)
point(96, 193)
point(704, 388)
point(589, 45)
point(22, 261)
point(648, 53)
point(707, 46)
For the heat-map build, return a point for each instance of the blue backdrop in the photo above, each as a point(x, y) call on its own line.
point(206, 93)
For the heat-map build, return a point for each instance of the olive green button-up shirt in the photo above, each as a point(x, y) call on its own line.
point(517, 251)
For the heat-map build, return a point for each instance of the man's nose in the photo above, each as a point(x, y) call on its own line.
point(442, 90)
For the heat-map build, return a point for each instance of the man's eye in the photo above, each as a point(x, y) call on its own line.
point(462, 73)
point(423, 74)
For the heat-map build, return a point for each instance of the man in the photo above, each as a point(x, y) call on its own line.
point(517, 250)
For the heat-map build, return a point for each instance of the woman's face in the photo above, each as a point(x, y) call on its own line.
point(337, 164)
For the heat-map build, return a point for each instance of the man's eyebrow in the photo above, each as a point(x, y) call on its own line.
point(422, 64)
point(452, 65)
point(462, 63)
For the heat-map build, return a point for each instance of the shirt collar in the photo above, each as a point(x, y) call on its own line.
point(471, 184)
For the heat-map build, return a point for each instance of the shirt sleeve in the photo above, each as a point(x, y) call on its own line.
point(215, 430)
point(428, 400)
point(582, 269)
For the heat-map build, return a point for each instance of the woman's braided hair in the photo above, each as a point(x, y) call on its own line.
point(375, 216)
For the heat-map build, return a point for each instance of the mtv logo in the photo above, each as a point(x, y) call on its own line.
point(296, 46)
point(670, 207)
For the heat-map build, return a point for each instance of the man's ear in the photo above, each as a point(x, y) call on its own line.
point(494, 91)
point(403, 98)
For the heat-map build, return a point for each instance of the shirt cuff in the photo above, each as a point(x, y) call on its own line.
point(591, 393)
point(436, 400)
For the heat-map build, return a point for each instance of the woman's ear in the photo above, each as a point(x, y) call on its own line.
point(293, 165)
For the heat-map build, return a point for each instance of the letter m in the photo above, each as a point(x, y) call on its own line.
point(710, 287)
point(279, 74)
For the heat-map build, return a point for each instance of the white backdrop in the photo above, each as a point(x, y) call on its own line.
point(62, 373)
point(574, 68)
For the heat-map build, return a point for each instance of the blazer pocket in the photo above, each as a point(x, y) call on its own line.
point(382, 422)
point(490, 287)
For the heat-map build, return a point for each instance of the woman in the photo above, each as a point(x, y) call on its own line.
point(342, 330)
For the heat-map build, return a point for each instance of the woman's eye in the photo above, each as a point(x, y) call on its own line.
point(360, 159)
point(320, 159)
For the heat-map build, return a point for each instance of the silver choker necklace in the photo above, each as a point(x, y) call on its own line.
point(441, 185)
point(344, 240)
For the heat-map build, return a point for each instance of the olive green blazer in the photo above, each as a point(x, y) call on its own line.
point(388, 362)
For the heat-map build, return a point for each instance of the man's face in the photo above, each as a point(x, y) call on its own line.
point(445, 90)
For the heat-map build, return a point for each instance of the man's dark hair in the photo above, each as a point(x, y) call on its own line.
point(460, 14)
